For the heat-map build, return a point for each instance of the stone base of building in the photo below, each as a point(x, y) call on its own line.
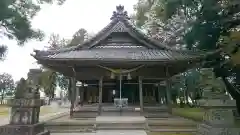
point(36, 129)
point(148, 111)
point(205, 129)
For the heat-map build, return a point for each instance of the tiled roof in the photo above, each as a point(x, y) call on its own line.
point(142, 50)
point(119, 54)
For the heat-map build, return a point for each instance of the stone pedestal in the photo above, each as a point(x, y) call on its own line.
point(24, 119)
point(218, 118)
point(25, 109)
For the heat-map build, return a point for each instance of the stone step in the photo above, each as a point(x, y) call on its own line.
point(121, 126)
point(70, 127)
point(73, 131)
point(46, 132)
point(85, 114)
point(156, 115)
point(171, 126)
point(174, 130)
point(171, 123)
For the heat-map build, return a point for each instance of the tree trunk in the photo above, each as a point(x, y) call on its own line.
point(69, 89)
point(53, 95)
point(2, 96)
point(186, 96)
point(48, 101)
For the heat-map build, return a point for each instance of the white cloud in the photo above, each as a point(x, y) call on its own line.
point(92, 15)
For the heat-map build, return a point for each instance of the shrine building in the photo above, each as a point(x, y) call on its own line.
point(125, 72)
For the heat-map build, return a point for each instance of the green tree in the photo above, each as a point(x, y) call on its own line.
point(6, 85)
point(48, 82)
point(79, 37)
point(50, 79)
point(21, 87)
point(15, 20)
point(214, 25)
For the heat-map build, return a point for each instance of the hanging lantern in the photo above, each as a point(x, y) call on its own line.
point(129, 76)
point(112, 76)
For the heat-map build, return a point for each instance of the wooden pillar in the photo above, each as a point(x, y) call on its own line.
point(73, 93)
point(159, 93)
point(88, 95)
point(81, 91)
point(168, 92)
point(100, 95)
point(77, 96)
point(140, 93)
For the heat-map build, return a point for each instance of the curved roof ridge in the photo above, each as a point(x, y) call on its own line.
point(121, 16)
point(134, 29)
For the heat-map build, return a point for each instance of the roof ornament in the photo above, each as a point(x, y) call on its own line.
point(120, 13)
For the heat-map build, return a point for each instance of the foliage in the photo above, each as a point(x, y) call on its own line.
point(198, 24)
point(230, 45)
point(48, 80)
point(216, 26)
point(169, 31)
point(15, 20)
point(79, 37)
point(3, 50)
point(190, 113)
point(187, 85)
point(21, 88)
point(56, 42)
point(63, 81)
point(6, 85)
point(142, 7)
point(208, 81)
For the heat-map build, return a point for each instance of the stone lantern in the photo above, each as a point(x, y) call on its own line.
point(24, 119)
point(218, 118)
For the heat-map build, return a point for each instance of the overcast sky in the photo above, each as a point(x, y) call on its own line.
point(65, 20)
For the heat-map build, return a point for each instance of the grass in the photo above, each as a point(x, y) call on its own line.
point(4, 110)
point(46, 110)
point(167, 133)
point(195, 114)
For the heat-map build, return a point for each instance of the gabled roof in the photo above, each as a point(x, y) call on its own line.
point(120, 22)
point(153, 50)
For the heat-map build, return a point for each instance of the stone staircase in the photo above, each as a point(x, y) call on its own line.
point(120, 126)
point(163, 122)
point(120, 123)
point(156, 112)
point(85, 112)
point(171, 124)
point(67, 125)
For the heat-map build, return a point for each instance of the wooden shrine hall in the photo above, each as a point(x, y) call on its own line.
point(119, 63)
